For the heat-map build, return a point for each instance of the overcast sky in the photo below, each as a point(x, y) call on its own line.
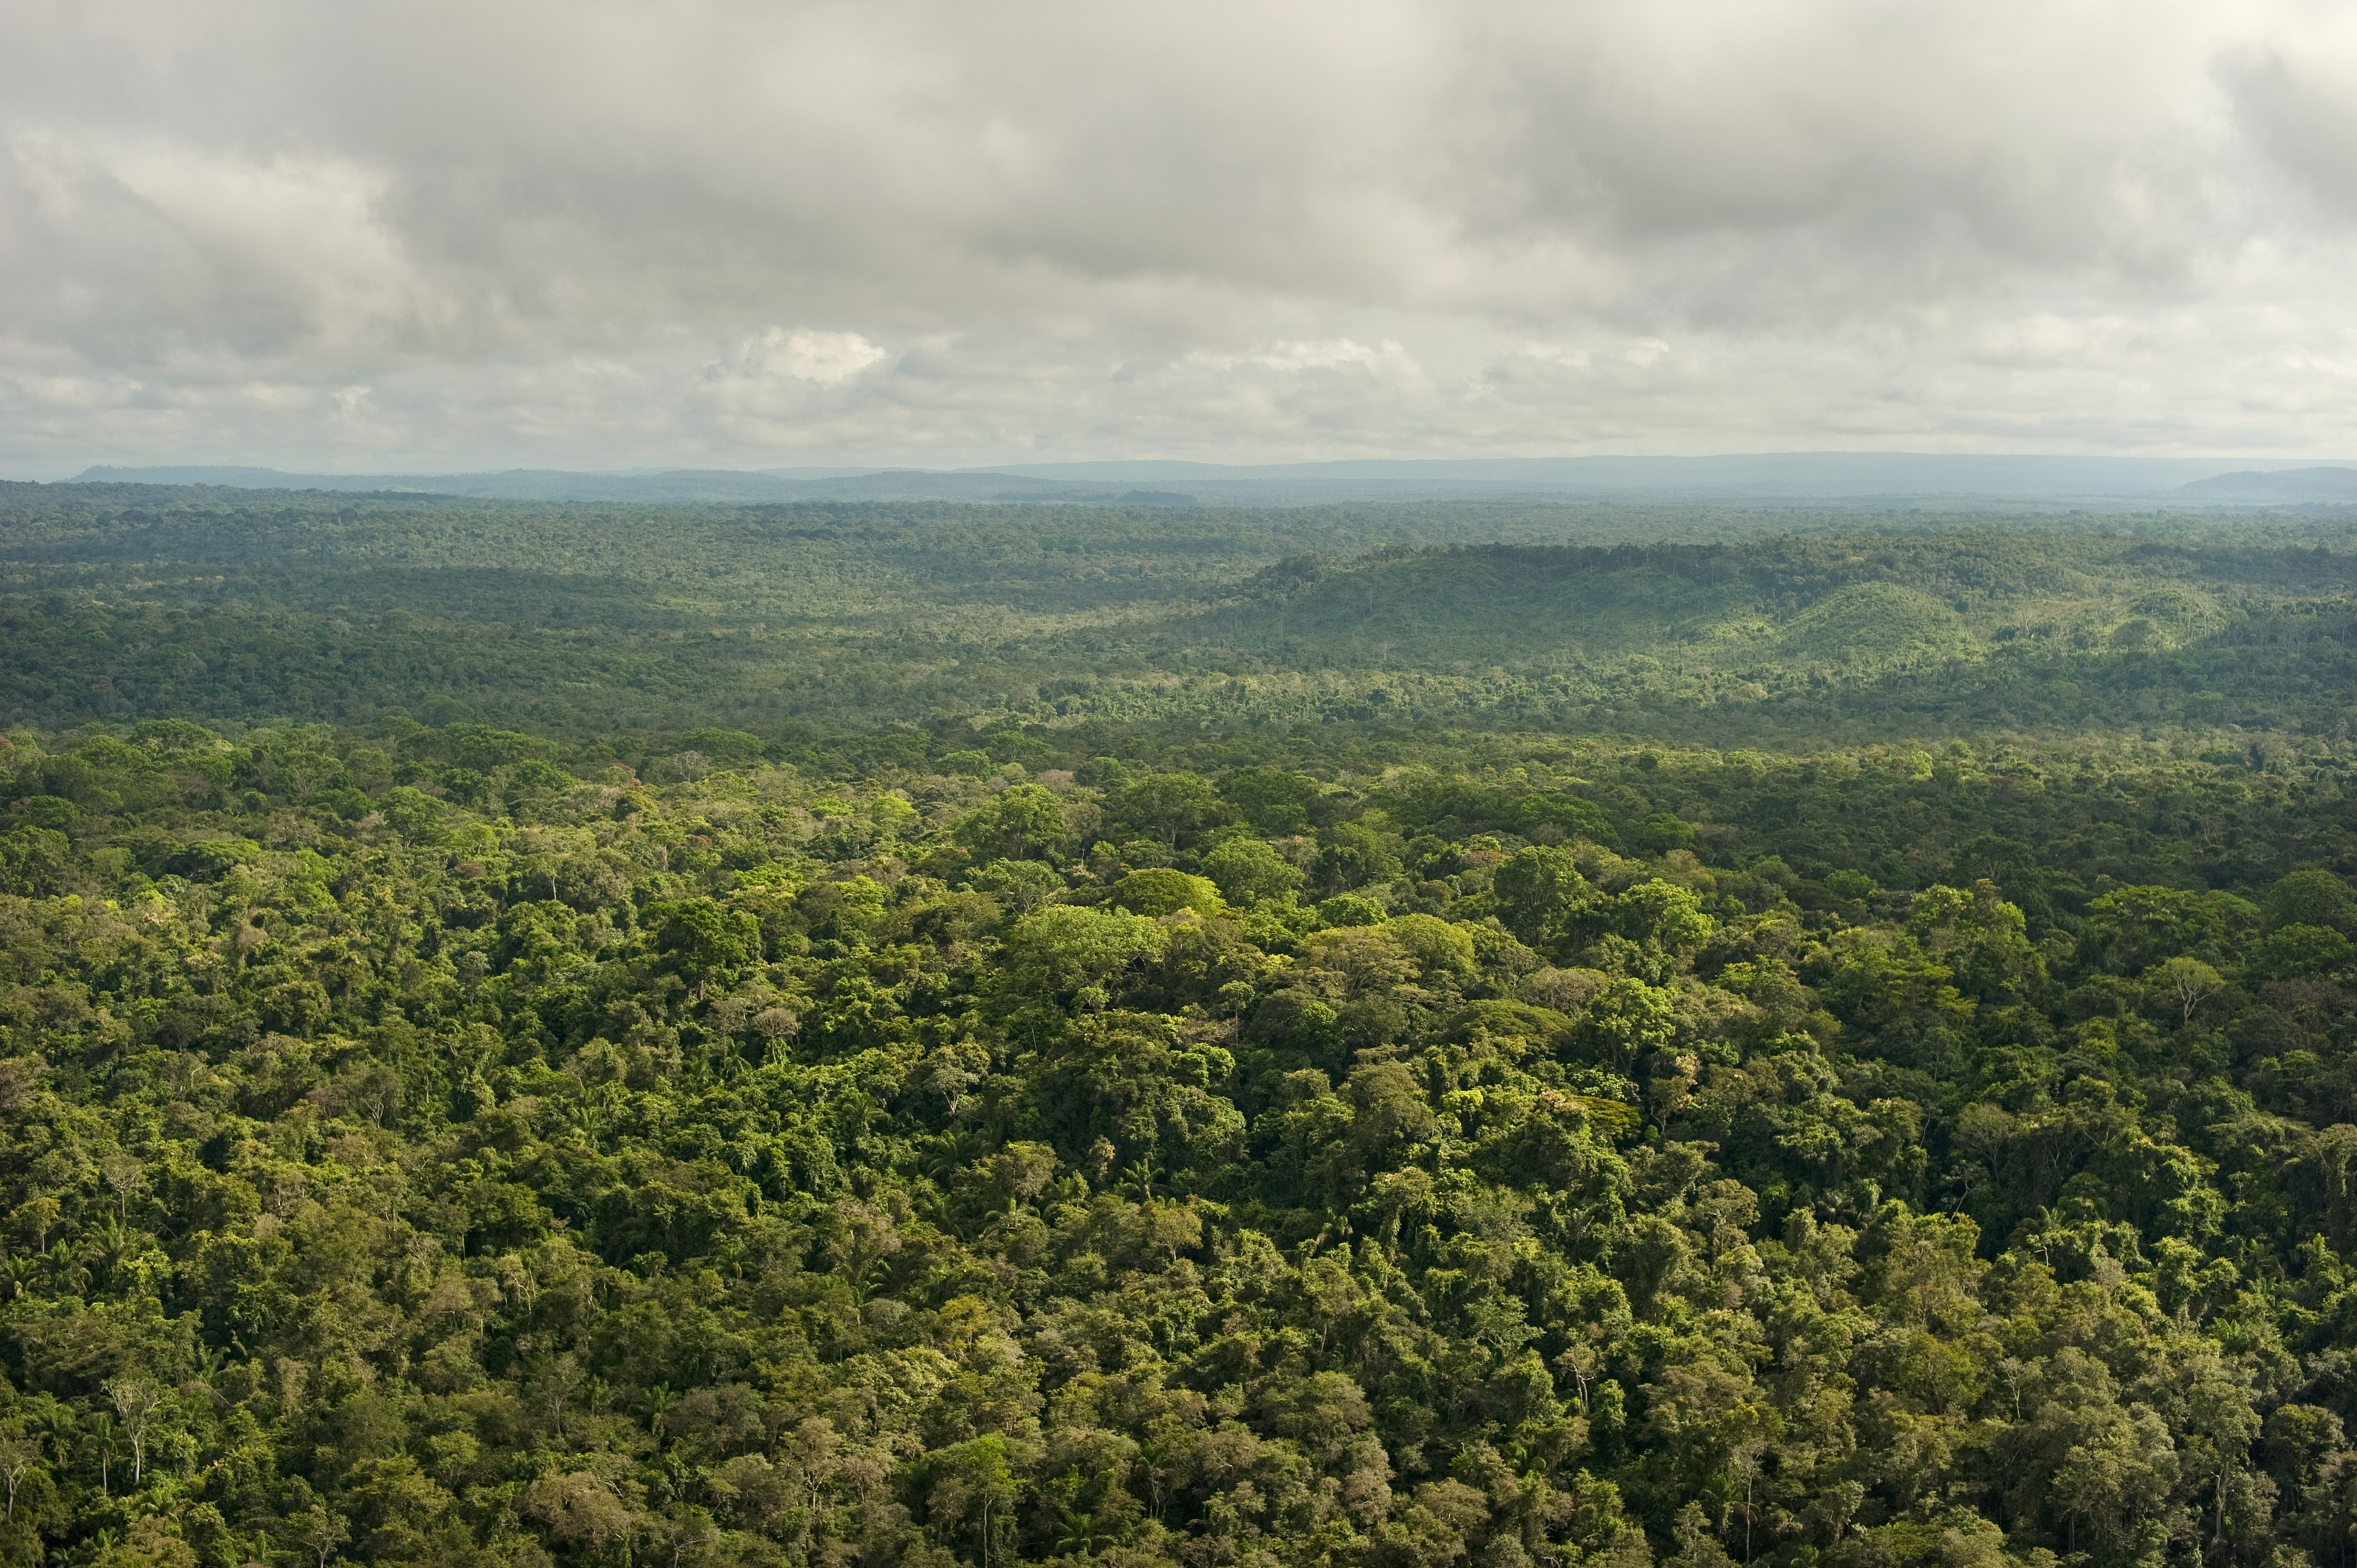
point(435, 236)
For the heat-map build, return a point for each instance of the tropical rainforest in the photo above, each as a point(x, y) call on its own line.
point(970, 1037)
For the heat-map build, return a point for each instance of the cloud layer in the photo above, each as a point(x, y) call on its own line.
point(447, 235)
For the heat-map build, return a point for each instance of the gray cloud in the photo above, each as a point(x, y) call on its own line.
point(452, 235)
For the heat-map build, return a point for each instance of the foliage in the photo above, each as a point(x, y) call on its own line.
point(1389, 1038)
point(437, 1144)
point(740, 629)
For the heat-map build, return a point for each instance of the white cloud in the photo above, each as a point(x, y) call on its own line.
point(825, 358)
point(1558, 354)
point(581, 230)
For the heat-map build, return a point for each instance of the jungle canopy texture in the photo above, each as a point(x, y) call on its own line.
point(1498, 1037)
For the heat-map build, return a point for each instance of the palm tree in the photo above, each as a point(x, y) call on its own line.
point(1083, 1536)
point(102, 1439)
point(64, 1273)
point(114, 1241)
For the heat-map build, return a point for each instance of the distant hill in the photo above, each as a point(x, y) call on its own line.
point(125, 601)
point(1742, 476)
point(664, 486)
point(1774, 605)
point(2284, 485)
point(1773, 478)
point(1878, 627)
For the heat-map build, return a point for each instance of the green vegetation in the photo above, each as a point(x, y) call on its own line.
point(1381, 1042)
point(1784, 630)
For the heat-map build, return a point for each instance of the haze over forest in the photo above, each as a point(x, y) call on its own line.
point(1406, 786)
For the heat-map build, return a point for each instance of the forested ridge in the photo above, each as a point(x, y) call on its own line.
point(1788, 629)
point(441, 1145)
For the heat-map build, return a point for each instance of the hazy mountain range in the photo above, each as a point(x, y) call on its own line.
point(1765, 478)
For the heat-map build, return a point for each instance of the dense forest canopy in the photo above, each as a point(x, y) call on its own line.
point(1786, 627)
point(938, 1037)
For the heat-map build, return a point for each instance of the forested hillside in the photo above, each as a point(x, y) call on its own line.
point(1779, 627)
point(438, 1146)
point(936, 1038)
